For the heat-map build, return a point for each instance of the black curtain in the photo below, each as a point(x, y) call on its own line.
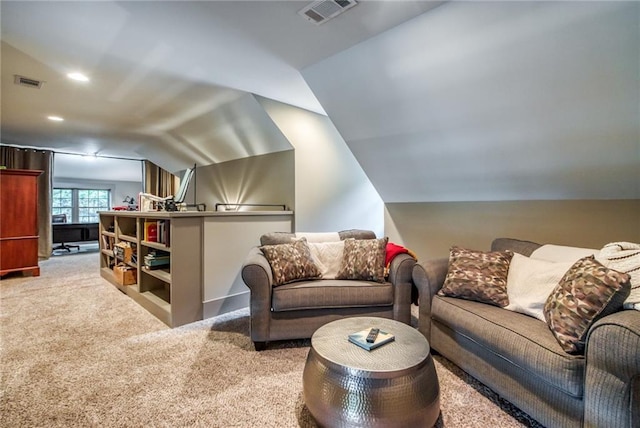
point(20, 158)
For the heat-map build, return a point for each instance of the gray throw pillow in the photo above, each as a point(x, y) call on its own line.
point(363, 259)
point(587, 292)
point(477, 275)
point(290, 262)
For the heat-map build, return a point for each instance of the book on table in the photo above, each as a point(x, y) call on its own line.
point(360, 338)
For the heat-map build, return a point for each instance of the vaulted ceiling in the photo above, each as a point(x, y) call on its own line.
point(436, 100)
point(169, 79)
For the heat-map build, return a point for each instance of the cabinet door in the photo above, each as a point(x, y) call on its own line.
point(18, 253)
point(19, 221)
point(18, 206)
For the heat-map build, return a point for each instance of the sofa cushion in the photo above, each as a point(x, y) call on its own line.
point(356, 234)
point(274, 238)
point(477, 275)
point(363, 259)
point(514, 245)
point(587, 292)
point(329, 293)
point(530, 282)
point(328, 257)
point(518, 339)
point(562, 253)
point(290, 262)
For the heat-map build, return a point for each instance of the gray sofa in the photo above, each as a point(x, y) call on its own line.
point(296, 310)
point(518, 357)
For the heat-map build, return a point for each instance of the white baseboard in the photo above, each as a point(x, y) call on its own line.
point(222, 305)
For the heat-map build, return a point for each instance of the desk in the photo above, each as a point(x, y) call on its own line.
point(74, 232)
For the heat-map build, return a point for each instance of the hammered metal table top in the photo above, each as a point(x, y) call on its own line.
point(408, 350)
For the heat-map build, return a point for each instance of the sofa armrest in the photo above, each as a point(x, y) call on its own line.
point(428, 276)
point(257, 275)
point(400, 275)
point(612, 378)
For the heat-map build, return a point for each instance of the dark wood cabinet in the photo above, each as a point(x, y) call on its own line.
point(19, 221)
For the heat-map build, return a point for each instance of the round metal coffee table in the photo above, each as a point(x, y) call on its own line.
point(395, 385)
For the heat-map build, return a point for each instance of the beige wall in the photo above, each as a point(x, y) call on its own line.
point(430, 229)
point(332, 192)
point(265, 179)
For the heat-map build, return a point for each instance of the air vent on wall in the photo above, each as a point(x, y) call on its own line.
point(321, 11)
point(26, 81)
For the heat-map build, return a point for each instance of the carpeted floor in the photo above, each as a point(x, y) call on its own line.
point(76, 352)
point(83, 247)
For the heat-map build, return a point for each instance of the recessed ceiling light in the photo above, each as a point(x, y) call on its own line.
point(78, 76)
point(55, 118)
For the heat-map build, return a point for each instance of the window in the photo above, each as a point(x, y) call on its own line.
point(63, 202)
point(80, 205)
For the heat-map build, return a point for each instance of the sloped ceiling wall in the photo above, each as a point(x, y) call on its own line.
point(212, 134)
point(494, 101)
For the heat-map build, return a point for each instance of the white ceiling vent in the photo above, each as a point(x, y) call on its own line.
point(321, 11)
point(28, 82)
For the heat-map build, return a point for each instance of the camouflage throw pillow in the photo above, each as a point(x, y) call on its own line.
point(363, 259)
point(587, 292)
point(477, 275)
point(290, 262)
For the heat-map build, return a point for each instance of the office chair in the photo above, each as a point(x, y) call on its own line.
point(62, 218)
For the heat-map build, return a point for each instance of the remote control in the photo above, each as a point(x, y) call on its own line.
point(373, 333)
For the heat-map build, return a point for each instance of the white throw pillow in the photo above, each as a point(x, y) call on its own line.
point(561, 253)
point(624, 257)
point(328, 257)
point(530, 282)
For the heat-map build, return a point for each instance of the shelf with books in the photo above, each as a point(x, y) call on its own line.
point(157, 231)
point(155, 260)
point(169, 284)
point(107, 242)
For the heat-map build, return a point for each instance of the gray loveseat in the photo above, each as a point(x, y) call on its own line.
point(295, 310)
point(518, 357)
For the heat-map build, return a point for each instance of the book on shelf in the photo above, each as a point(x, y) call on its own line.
point(157, 259)
point(108, 242)
point(163, 232)
point(151, 230)
point(157, 231)
point(161, 227)
point(360, 338)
